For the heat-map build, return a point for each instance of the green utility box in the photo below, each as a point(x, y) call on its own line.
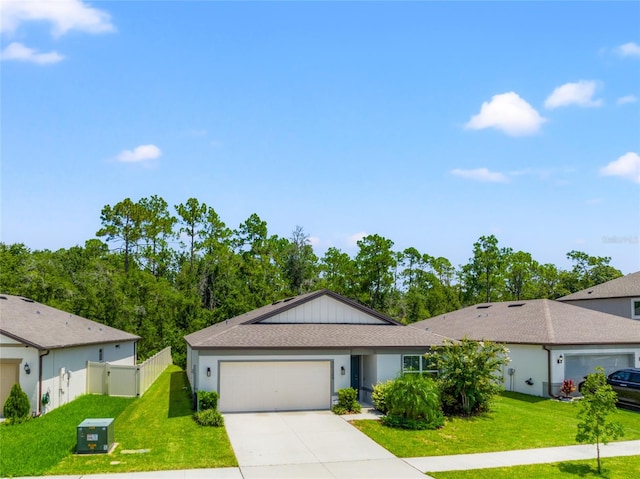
point(95, 436)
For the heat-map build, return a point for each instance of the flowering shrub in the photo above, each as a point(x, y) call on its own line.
point(568, 386)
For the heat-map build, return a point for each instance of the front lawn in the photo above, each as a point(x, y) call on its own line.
point(517, 421)
point(612, 468)
point(160, 422)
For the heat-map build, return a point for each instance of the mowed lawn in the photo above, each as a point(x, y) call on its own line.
point(612, 468)
point(160, 422)
point(517, 421)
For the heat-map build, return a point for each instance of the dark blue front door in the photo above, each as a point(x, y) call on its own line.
point(355, 373)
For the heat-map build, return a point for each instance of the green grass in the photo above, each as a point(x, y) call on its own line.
point(33, 447)
point(517, 421)
point(612, 468)
point(160, 421)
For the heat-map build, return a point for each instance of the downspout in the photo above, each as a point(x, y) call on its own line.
point(39, 403)
point(549, 388)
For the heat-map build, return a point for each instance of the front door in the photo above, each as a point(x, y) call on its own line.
point(355, 374)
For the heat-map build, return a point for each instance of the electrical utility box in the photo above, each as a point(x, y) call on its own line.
point(95, 436)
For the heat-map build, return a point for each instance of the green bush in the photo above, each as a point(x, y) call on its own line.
point(379, 396)
point(209, 417)
point(413, 402)
point(17, 407)
point(347, 401)
point(208, 400)
point(469, 374)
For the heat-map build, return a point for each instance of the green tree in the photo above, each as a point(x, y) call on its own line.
point(193, 215)
point(122, 223)
point(483, 276)
point(300, 262)
point(17, 407)
point(519, 270)
point(598, 403)
point(375, 263)
point(157, 230)
point(338, 272)
point(588, 271)
point(468, 373)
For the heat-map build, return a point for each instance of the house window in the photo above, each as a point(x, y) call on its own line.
point(635, 308)
point(416, 363)
point(100, 355)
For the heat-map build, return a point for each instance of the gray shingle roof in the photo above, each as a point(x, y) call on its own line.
point(44, 327)
point(540, 321)
point(624, 287)
point(246, 331)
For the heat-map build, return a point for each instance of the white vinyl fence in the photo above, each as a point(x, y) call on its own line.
point(118, 380)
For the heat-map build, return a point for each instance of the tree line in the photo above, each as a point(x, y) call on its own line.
point(162, 273)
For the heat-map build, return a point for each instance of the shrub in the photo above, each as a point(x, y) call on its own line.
point(17, 406)
point(469, 376)
point(413, 402)
point(209, 417)
point(567, 387)
point(379, 396)
point(207, 400)
point(347, 401)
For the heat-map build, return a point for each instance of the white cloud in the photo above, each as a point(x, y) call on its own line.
point(17, 51)
point(627, 99)
point(64, 16)
point(354, 238)
point(627, 166)
point(630, 49)
point(139, 153)
point(509, 113)
point(481, 174)
point(579, 93)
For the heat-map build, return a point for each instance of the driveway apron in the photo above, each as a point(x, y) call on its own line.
point(309, 444)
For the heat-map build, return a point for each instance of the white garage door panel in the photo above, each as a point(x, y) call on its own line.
point(275, 386)
point(578, 366)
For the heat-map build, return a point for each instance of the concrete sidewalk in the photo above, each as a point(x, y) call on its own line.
point(522, 457)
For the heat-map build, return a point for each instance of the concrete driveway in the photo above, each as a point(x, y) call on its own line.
point(316, 444)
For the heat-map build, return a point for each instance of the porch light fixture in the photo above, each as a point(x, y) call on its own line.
point(342, 371)
point(560, 359)
point(27, 369)
point(208, 372)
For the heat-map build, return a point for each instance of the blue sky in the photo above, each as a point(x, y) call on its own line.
point(428, 123)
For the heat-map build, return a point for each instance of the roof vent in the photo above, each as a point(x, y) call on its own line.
point(3, 297)
point(275, 302)
point(288, 299)
point(27, 300)
point(483, 306)
point(515, 305)
point(589, 292)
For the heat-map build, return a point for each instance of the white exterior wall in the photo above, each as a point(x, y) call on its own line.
point(531, 361)
point(527, 361)
point(61, 388)
point(558, 369)
point(375, 368)
point(323, 310)
point(389, 367)
point(12, 349)
point(211, 383)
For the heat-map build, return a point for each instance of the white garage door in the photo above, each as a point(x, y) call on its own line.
point(578, 366)
point(275, 386)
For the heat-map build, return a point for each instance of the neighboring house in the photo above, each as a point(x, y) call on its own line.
point(549, 341)
point(620, 296)
point(46, 350)
point(296, 354)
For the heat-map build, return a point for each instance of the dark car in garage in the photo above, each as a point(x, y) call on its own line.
point(626, 384)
